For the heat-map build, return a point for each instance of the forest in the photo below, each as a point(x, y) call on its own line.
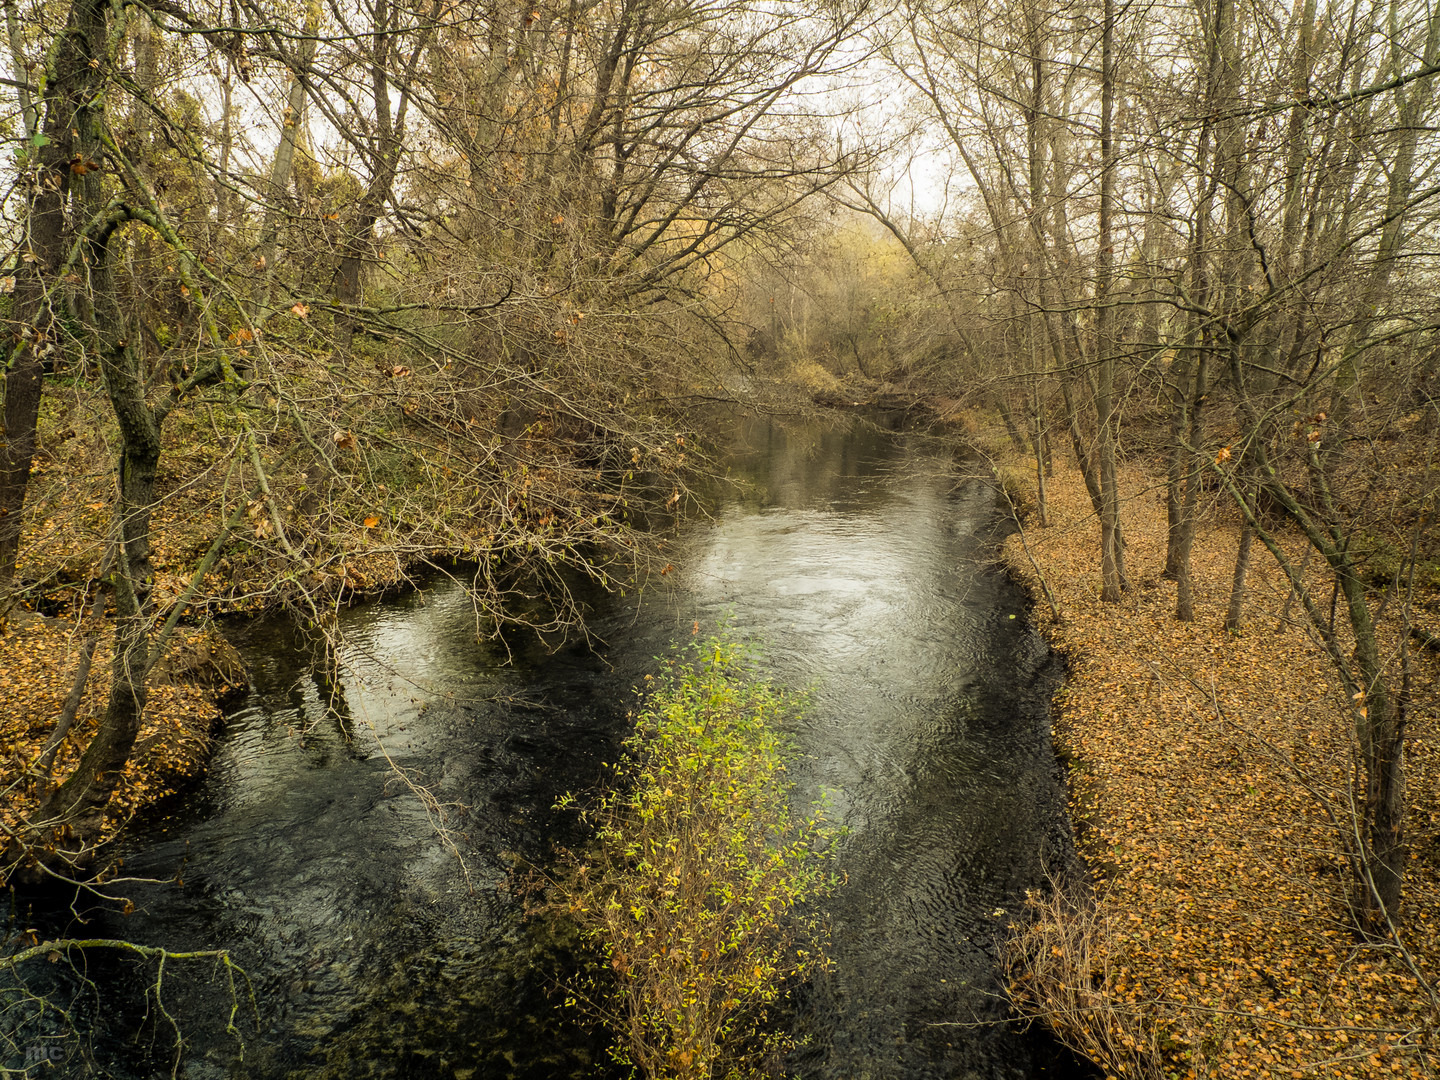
point(305, 302)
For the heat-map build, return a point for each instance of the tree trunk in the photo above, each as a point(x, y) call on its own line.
point(1380, 851)
point(292, 125)
point(1112, 552)
point(22, 384)
point(1002, 403)
point(1380, 727)
point(1412, 105)
point(385, 162)
point(37, 283)
point(1042, 512)
point(76, 807)
point(1185, 427)
point(1236, 610)
point(1189, 494)
point(1385, 850)
point(74, 811)
point(1176, 467)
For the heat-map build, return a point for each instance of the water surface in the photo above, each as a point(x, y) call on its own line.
point(859, 561)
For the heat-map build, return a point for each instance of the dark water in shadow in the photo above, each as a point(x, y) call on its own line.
point(860, 565)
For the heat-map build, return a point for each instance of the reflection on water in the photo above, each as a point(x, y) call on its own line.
point(859, 567)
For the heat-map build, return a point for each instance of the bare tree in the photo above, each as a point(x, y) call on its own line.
point(459, 323)
point(1235, 214)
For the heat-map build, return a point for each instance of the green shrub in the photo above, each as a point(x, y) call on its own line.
point(696, 892)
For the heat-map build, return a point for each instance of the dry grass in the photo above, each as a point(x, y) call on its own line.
point(1059, 963)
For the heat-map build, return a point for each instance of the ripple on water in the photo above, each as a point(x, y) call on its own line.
point(860, 569)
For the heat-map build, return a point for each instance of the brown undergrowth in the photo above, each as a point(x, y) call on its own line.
point(38, 662)
point(1209, 776)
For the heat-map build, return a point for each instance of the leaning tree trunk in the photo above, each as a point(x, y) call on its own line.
point(1380, 733)
point(74, 812)
point(76, 808)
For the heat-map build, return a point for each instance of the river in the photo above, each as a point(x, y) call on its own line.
point(858, 561)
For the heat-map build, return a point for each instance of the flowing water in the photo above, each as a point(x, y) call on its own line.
point(860, 563)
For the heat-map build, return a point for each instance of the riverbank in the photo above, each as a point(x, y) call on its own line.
point(39, 659)
point(1204, 770)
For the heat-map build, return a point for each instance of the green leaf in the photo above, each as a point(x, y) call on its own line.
point(39, 139)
